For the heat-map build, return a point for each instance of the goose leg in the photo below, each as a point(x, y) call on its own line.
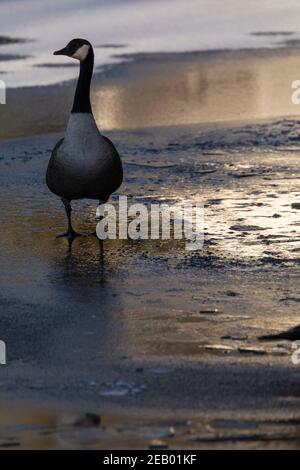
point(70, 234)
point(100, 218)
point(101, 244)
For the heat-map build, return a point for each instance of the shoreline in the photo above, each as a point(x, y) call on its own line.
point(122, 89)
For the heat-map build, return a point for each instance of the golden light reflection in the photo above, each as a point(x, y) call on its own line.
point(190, 89)
point(232, 87)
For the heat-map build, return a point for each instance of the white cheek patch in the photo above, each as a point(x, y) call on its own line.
point(82, 52)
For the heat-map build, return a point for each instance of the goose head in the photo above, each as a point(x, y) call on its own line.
point(77, 49)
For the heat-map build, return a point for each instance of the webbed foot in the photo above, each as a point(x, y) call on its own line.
point(70, 235)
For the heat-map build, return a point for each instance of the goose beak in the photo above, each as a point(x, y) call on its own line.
point(63, 51)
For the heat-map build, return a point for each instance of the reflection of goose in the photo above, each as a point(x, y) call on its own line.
point(292, 334)
point(85, 164)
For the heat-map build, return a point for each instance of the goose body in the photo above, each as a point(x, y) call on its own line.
point(85, 163)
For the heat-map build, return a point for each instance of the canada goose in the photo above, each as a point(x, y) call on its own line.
point(84, 164)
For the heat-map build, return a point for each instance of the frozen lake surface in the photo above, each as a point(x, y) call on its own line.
point(126, 27)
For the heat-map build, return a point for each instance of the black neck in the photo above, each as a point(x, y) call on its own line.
point(82, 102)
